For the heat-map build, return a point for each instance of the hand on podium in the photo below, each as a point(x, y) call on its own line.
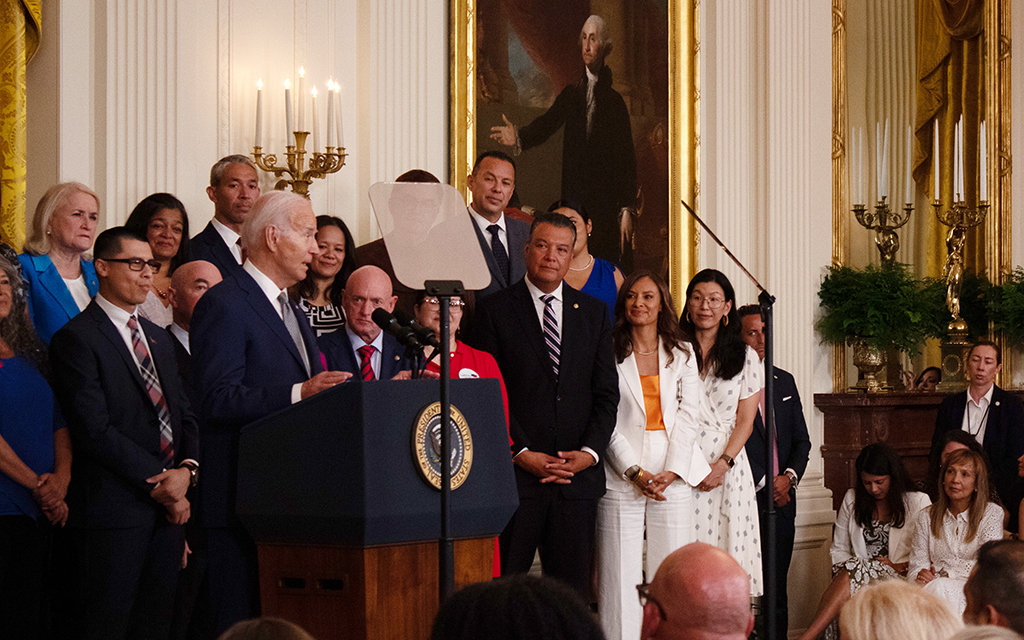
point(322, 382)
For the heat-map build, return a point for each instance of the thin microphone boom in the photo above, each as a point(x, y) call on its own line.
point(722, 244)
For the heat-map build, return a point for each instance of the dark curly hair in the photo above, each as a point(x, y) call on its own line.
point(671, 335)
point(16, 329)
point(725, 359)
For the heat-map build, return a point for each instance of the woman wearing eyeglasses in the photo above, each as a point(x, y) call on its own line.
point(60, 276)
point(732, 378)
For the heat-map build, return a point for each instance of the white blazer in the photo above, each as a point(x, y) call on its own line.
point(680, 392)
point(848, 539)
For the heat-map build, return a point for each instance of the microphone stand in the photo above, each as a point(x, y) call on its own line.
point(766, 300)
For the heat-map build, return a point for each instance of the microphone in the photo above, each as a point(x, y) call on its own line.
point(423, 334)
point(405, 336)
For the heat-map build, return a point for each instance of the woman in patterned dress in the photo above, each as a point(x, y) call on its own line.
point(319, 294)
point(725, 506)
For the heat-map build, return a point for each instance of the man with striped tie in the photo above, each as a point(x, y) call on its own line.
point(553, 346)
point(135, 448)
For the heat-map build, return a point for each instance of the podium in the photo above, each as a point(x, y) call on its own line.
point(345, 524)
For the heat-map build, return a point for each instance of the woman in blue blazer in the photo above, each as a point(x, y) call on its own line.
point(61, 279)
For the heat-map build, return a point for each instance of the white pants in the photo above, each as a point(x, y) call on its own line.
point(621, 520)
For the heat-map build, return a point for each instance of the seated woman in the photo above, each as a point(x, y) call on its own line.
point(593, 276)
point(162, 219)
point(319, 294)
point(948, 534)
point(895, 609)
point(873, 532)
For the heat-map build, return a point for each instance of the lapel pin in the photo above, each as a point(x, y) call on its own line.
point(576, 305)
point(997, 403)
point(397, 358)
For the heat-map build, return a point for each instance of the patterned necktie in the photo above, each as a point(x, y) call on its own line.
point(365, 367)
point(500, 255)
point(156, 394)
point(551, 338)
point(293, 329)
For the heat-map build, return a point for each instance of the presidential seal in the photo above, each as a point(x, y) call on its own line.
point(426, 445)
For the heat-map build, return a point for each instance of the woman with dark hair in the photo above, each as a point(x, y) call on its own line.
point(949, 533)
point(319, 294)
point(873, 532)
point(593, 276)
point(652, 461)
point(928, 380)
point(35, 462)
point(162, 219)
point(731, 373)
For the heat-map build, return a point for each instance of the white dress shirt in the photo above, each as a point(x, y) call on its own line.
point(976, 415)
point(377, 344)
point(230, 238)
point(181, 335)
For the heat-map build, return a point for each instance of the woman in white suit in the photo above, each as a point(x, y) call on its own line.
point(652, 461)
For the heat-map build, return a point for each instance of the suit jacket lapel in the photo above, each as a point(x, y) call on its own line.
point(516, 241)
point(109, 331)
point(667, 387)
point(265, 310)
point(54, 284)
point(485, 246)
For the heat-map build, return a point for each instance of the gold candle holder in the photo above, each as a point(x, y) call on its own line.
point(320, 164)
point(884, 222)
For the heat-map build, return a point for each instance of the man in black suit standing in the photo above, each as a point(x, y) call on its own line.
point(793, 447)
point(234, 187)
point(135, 448)
point(994, 417)
point(501, 238)
point(553, 346)
point(362, 348)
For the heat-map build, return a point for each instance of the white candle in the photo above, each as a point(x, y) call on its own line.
point(935, 158)
point(861, 178)
point(910, 164)
point(337, 114)
point(885, 161)
point(854, 196)
point(288, 113)
point(983, 159)
point(956, 160)
point(316, 132)
point(259, 113)
point(330, 113)
point(960, 159)
point(302, 99)
point(878, 160)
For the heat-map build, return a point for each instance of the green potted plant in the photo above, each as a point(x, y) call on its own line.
point(1006, 307)
point(872, 309)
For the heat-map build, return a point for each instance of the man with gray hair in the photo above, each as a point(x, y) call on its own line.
point(253, 353)
point(598, 159)
point(995, 588)
point(234, 187)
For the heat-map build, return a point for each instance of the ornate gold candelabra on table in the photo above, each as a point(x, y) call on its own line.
point(959, 218)
point(884, 222)
point(320, 164)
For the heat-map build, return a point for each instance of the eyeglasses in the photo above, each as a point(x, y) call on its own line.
point(643, 592)
point(453, 303)
point(135, 264)
point(714, 302)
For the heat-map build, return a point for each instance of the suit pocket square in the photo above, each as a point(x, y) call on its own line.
point(787, 398)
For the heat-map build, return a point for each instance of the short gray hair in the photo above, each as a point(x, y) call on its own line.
point(602, 33)
point(217, 172)
point(272, 209)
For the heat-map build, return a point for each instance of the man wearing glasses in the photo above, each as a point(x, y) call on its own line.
point(135, 448)
point(698, 592)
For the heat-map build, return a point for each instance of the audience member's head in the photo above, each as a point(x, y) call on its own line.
point(963, 479)
point(549, 250)
point(163, 220)
point(896, 609)
point(280, 236)
point(234, 188)
point(518, 607)
point(189, 282)
point(985, 632)
point(15, 327)
point(752, 327)
point(368, 289)
point(928, 380)
point(65, 218)
point(265, 629)
point(492, 182)
point(881, 477)
point(995, 588)
point(417, 175)
point(984, 361)
point(699, 592)
point(124, 267)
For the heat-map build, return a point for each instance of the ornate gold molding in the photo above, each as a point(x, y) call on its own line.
point(840, 194)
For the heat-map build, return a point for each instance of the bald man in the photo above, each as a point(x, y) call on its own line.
point(699, 593)
point(363, 349)
point(189, 282)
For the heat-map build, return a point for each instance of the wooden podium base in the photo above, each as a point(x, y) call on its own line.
point(371, 593)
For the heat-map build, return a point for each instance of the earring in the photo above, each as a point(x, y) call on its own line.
point(688, 317)
point(725, 320)
point(47, 232)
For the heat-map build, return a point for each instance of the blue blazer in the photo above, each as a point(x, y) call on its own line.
point(244, 364)
point(209, 245)
point(49, 302)
point(340, 357)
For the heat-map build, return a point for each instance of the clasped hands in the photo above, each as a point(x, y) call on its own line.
point(49, 495)
point(169, 490)
point(551, 469)
point(653, 486)
point(716, 477)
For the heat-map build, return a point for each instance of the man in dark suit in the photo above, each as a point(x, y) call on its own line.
point(501, 238)
point(234, 187)
point(553, 346)
point(253, 353)
point(994, 417)
point(135, 448)
point(362, 348)
point(793, 447)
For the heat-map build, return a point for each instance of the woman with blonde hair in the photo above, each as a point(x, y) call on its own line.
point(948, 534)
point(60, 276)
point(896, 609)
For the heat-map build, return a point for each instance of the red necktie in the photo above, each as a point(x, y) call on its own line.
point(365, 368)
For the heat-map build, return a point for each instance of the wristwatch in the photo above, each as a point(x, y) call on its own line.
point(728, 460)
point(193, 472)
point(792, 478)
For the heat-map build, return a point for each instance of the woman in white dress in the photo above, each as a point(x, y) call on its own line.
point(652, 461)
point(725, 509)
point(949, 533)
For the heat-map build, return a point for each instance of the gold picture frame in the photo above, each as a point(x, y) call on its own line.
point(684, 122)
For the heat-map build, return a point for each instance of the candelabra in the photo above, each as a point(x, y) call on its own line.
point(320, 164)
point(884, 222)
point(959, 218)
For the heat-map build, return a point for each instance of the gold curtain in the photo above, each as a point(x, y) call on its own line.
point(20, 22)
point(951, 74)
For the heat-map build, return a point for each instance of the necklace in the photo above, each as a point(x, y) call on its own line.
point(646, 353)
point(162, 294)
point(586, 267)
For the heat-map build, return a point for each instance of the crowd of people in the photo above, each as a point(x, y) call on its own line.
point(635, 427)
